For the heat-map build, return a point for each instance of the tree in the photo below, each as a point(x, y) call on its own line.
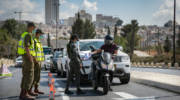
point(89, 30)
point(8, 45)
point(130, 33)
point(169, 23)
point(167, 45)
point(115, 31)
point(84, 29)
point(77, 27)
point(119, 40)
point(48, 41)
point(119, 22)
point(14, 29)
point(10, 33)
point(109, 31)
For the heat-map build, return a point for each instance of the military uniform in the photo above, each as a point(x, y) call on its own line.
point(28, 66)
point(75, 62)
point(39, 57)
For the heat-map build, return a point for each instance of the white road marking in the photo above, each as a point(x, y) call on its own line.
point(127, 96)
point(64, 96)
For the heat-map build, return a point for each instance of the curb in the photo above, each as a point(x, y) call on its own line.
point(173, 68)
point(164, 86)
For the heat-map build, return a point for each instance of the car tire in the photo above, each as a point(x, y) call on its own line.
point(125, 79)
point(52, 70)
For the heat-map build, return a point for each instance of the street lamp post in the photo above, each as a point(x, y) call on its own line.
point(174, 35)
point(57, 6)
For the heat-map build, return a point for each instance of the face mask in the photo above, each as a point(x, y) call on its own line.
point(34, 31)
point(41, 37)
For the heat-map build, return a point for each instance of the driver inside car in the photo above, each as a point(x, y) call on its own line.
point(109, 47)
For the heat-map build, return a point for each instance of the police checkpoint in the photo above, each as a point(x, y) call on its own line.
point(89, 50)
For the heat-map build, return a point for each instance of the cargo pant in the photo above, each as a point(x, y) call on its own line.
point(37, 73)
point(27, 73)
point(74, 70)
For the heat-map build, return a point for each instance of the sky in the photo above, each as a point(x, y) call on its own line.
point(147, 12)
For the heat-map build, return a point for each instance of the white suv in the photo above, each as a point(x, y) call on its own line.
point(122, 66)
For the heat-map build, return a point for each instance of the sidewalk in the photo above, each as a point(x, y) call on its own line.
point(164, 81)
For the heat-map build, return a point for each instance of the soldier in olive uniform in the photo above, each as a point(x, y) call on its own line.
point(26, 49)
point(40, 58)
point(75, 64)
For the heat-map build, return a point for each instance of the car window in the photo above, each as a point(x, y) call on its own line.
point(58, 54)
point(85, 46)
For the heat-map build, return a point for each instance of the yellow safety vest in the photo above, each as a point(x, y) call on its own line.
point(39, 50)
point(21, 48)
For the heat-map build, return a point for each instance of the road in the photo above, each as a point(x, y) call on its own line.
point(10, 88)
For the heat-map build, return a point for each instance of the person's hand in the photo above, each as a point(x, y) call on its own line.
point(30, 58)
point(35, 60)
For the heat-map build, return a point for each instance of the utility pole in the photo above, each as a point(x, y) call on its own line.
point(174, 35)
point(57, 7)
point(19, 13)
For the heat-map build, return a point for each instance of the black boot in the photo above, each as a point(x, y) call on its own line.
point(68, 92)
point(79, 91)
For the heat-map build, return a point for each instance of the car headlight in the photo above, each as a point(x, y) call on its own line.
point(124, 58)
point(109, 66)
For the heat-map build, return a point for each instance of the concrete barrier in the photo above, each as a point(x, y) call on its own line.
point(177, 65)
point(142, 64)
point(138, 64)
point(147, 64)
point(169, 65)
point(152, 64)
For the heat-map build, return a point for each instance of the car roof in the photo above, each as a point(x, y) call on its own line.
point(84, 40)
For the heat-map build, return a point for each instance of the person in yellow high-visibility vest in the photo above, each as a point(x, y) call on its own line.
point(40, 58)
point(27, 51)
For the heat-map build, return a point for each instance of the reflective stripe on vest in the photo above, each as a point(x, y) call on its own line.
point(21, 48)
point(39, 50)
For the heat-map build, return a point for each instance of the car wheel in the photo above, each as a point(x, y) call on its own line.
point(125, 79)
point(58, 73)
point(52, 70)
point(45, 67)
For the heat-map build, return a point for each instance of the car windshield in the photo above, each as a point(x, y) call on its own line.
point(85, 45)
point(47, 50)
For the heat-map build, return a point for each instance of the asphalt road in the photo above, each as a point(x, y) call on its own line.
point(10, 88)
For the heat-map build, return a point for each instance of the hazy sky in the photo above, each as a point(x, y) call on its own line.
point(147, 12)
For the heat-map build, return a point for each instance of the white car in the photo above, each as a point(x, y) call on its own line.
point(47, 62)
point(19, 61)
point(122, 66)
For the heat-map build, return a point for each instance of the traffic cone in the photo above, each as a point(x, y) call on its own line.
point(4, 71)
point(52, 90)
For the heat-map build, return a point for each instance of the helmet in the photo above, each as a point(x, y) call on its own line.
point(108, 40)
